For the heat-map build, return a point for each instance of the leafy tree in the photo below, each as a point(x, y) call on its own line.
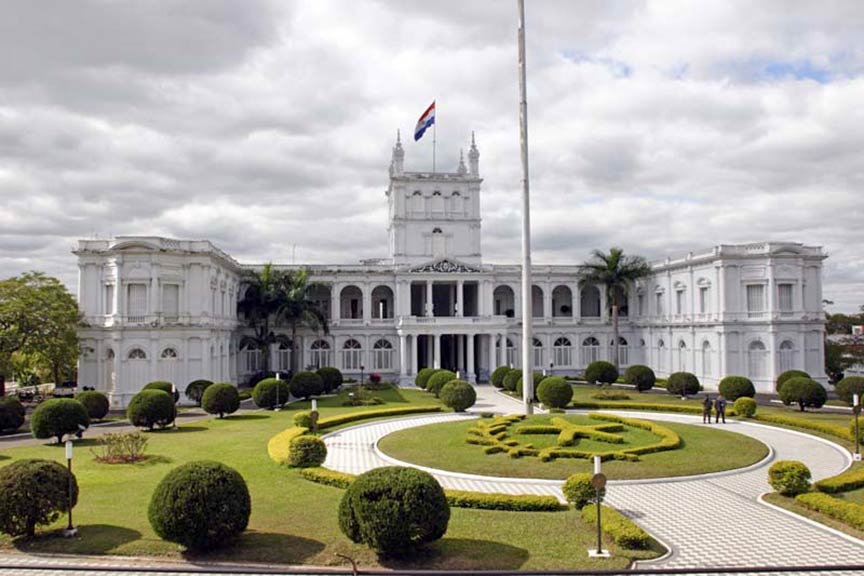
point(836, 361)
point(616, 271)
point(299, 309)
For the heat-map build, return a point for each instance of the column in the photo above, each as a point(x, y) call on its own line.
point(502, 351)
point(436, 350)
point(429, 307)
point(460, 351)
point(367, 304)
point(472, 377)
point(547, 301)
point(460, 297)
point(517, 301)
point(577, 300)
point(414, 355)
point(771, 288)
point(493, 364)
point(153, 303)
point(403, 360)
point(335, 309)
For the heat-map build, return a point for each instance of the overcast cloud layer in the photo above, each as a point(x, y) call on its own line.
point(662, 127)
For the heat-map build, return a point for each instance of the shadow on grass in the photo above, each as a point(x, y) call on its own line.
point(179, 430)
point(462, 554)
point(267, 547)
point(78, 443)
point(91, 539)
point(241, 417)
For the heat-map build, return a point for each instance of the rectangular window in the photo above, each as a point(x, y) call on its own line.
point(755, 298)
point(704, 303)
point(136, 304)
point(679, 302)
point(640, 305)
point(784, 297)
point(109, 299)
point(170, 301)
point(659, 304)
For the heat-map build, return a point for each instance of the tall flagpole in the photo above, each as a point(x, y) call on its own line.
point(434, 135)
point(527, 312)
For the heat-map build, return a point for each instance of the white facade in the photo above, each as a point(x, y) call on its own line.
point(166, 309)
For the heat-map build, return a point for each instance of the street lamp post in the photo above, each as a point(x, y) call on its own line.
point(362, 368)
point(70, 528)
point(278, 384)
point(856, 410)
point(174, 400)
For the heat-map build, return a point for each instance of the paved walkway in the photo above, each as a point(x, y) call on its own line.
point(706, 521)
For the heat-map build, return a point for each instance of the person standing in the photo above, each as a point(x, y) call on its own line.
point(720, 409)
point(706, 409)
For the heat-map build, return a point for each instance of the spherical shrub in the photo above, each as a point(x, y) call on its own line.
point(96, 404)
point(221, 399)
point(511, 379)
point(195, 390)
point(394, 510)
point(164, 386)
point(57, 417)
point(745, 407)
point(789, 477)
point(682, 384)
point(642, 377)
point(306, 384)
point(497, 378)
point(331, 379)
point(537, 377)
point(458, 394)
point(578, 490)
point(307, 452)
point(601, 371)
point(303, 419)
point(788, 375)
point(150, 408)
point(422, 379)
point(438, 380)
point(200, 505)
point(734, 387)
point(555, 392)
point(33, 493)
point(848, 386)
point(803, 391)
point(268, 391)
point(11, 413)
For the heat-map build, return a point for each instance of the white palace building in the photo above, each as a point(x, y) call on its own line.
point(158, 308)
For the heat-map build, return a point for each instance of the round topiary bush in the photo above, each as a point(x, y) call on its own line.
point(303, 419)
point(601, 371)
point(458, 394)
point(804, 392)
point(394, 510)
point(11, 413)
point(578, 490)
point(422, 379)
point(200, 505)
point(511, 379)
point(438, 380)
point(164, 386)
point(57, 417)
point(331, 379)
point(306, 384)
point(195, 390)
point(555, 392)
point(307, 452)
point(682, 384)
point(34, 493)
point(788, 375)
point(150, 408)
point(734, 387)
point(642, 377)
point(221, 399)
point(745, 407)
point(497, 378)
point(268, 391)
point(848, 386)
point(96, 403)
point(538, 378)
point(789, 477)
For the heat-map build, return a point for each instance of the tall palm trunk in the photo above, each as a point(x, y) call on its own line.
point(615, 331)
point(294, 347)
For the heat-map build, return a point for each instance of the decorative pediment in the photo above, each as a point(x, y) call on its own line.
point(445, 266)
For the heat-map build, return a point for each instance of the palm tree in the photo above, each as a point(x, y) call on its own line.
point(297, 307)
point(262, 301)
point(616, 272)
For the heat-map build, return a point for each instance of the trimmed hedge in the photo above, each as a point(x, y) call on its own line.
point(279, 446)
point(683, 384)
point(555, 392)
point(844, 482)
point(34, 492)
point(221, 399)
point(787, 375)
point(306, 452)
point(734, 387)
point(164, 386)
point(458, 394)
point(423, 376)
point(744, 407)
point(511, 379)
point(331, 378)
point(497, 378)
point(644, 406)
point(537, 377)
point(306, 384)
point(328, 477)
point(601, 371)
point(57, 417)
point(264, 394)
point(12, 413)
point(578, 490)
point(848, 386)
point(789, 477)
point(96, 404)
point(621, 529)
point(848, 512)
point(642, 377)
point(825, 428)
point(195, 390)
point(150, 408)
point(438, 380)
point(380, 413)
point(804, 392)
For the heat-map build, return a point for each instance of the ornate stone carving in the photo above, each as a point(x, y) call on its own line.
point(444, 266)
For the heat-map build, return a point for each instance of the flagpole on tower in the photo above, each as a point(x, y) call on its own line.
point(434, 137)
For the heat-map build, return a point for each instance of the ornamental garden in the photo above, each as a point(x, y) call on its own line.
point(285, 507)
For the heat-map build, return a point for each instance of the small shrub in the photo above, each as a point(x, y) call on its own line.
point(610, 395)
point(423, 376)
point(34, 493)
point(438, 380)
point(165, 387)
point(642, 377)
point(200, 505)
point(307, 452)
point(804, 392)
point(12, 413)
point(789, 477)
point(120, 448)
point(270, 392)
point(96, 404)
point(555, 392)
point(511, 379)
point(578, 490)
point(497, 378)
point(683, 384)
point(458, 394)
point(601, 371)
point(303, 419)
point(221, 399)
point(744, 407)
point(394, 510)
point(848, 386)
point(195, 390)
point(734, 387)
point(788, 375)
point(150, 408)
point(331, 379)
point(57, 417)
point(306, 384)
point(538, 378)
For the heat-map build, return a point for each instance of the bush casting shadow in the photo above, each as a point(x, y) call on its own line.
point(462, 554)
point(237, 417)
point(254, 546)
point(99, 539)
point(179, 430)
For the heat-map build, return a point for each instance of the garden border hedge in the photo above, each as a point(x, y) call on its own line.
point(847, 512)
point(621, 529)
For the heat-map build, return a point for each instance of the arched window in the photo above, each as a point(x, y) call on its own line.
point(756, 360)
point(537, 302)
point(505, 301)
point(169, 354)
point(538, 353)
point(510, 357)
point(590, 302)
point(661, 355)
point(319, 353)
point(623, 351)
point(109, 355)
point(682, 356)
point(706, 359)
point(251, 358)
point(563, 352)
point(787, 355)
point(382, 303)
point(382, 355)
point(352, 355)
point(562, 301)
point(437, 230)
point(351, 303)
point(137, 354)
point(283, 353)
point(590, 350)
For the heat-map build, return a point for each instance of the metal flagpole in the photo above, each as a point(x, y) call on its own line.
point(434, 135)
point(527, 315)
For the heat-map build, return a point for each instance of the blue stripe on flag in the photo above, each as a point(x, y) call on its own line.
point(418, 133)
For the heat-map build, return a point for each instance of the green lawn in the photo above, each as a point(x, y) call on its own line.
point(293, 521)
point(727, 449)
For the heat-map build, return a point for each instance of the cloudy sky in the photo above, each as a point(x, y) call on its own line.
point(662, 126)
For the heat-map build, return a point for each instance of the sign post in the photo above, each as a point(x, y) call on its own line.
point(598, 481)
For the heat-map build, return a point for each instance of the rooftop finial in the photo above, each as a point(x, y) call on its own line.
point(398, 136)
point(474, 157)
point(398, 159)
point(462, 169)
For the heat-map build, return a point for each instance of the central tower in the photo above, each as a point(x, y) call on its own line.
point(434, 215)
